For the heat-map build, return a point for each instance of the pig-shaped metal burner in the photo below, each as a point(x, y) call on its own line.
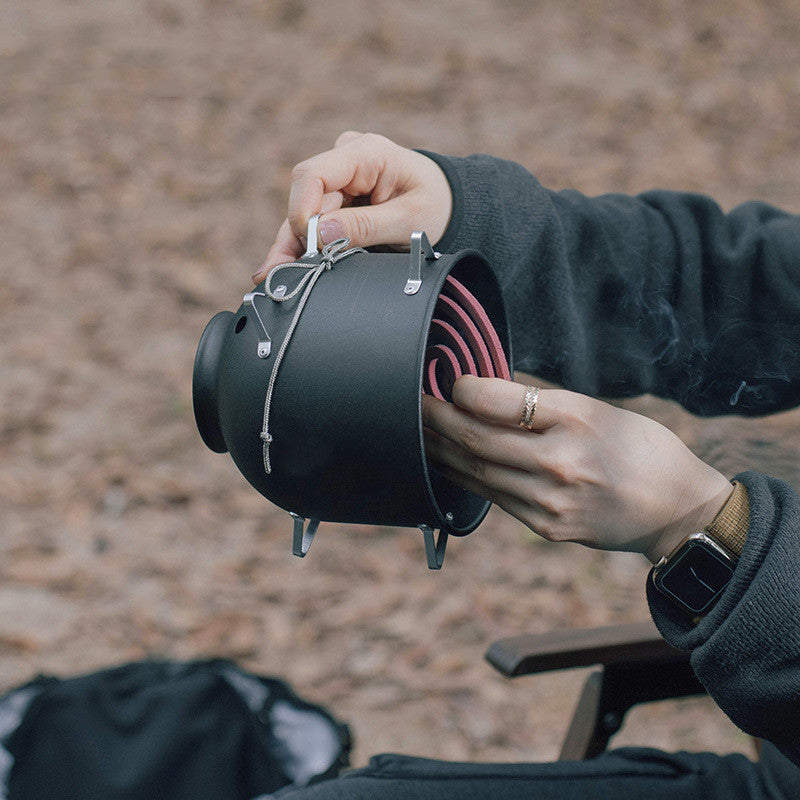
point(315, 384)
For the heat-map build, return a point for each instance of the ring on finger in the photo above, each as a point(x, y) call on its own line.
point(529, 407)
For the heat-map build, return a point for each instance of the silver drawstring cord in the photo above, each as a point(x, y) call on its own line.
point(331, 254)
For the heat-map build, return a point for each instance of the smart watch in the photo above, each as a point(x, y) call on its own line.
point(695, 574)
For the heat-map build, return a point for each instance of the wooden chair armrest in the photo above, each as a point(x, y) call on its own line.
point(633, 643)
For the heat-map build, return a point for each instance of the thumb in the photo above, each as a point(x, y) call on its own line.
point(389, 223)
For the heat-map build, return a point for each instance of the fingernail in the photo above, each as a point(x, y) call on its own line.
point(259, 274)
point(330, 230)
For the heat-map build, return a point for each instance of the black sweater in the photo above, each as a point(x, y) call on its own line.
point(663, 293)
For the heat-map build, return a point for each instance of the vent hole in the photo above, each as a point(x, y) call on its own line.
point(240, 323)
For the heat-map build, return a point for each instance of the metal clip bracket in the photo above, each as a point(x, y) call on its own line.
point(302, 536)
point(421, 250)
point(265, 342)
point(312, 236)
point(434, 548)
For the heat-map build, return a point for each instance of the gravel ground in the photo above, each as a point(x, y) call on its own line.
point(144, 159)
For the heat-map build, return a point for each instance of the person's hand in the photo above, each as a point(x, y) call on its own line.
point(369, 189)
point(588, 472)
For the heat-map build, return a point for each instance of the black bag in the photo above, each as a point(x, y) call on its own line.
point(166, 730)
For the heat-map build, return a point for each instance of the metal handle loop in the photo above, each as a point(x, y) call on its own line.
point(312, 236)
point(421, 250)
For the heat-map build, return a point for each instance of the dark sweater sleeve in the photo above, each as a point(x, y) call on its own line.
point(616, 296)
point(746, 651)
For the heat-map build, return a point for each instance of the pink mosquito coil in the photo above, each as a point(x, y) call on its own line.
point(462, 341)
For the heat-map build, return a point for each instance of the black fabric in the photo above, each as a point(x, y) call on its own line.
point(203, 730)
point(624, 774)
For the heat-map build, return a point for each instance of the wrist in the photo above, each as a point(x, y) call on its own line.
point(696, 508)
point(456, 197)
point(437, 197)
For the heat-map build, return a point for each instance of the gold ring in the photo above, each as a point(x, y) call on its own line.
point(531, 398)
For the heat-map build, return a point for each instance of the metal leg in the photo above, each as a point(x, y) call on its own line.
point(434, 548)
point(302, 536)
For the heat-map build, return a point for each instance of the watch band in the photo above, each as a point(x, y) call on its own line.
point(729, 527)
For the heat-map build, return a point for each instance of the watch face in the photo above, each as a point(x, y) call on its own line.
point(695, 577)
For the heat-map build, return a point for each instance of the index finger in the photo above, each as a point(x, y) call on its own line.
point(353, 168)
point(503, 402)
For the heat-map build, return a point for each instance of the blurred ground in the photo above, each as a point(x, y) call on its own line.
point(144, 158)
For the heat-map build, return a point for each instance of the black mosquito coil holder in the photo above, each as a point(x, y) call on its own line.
point(315, 384)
